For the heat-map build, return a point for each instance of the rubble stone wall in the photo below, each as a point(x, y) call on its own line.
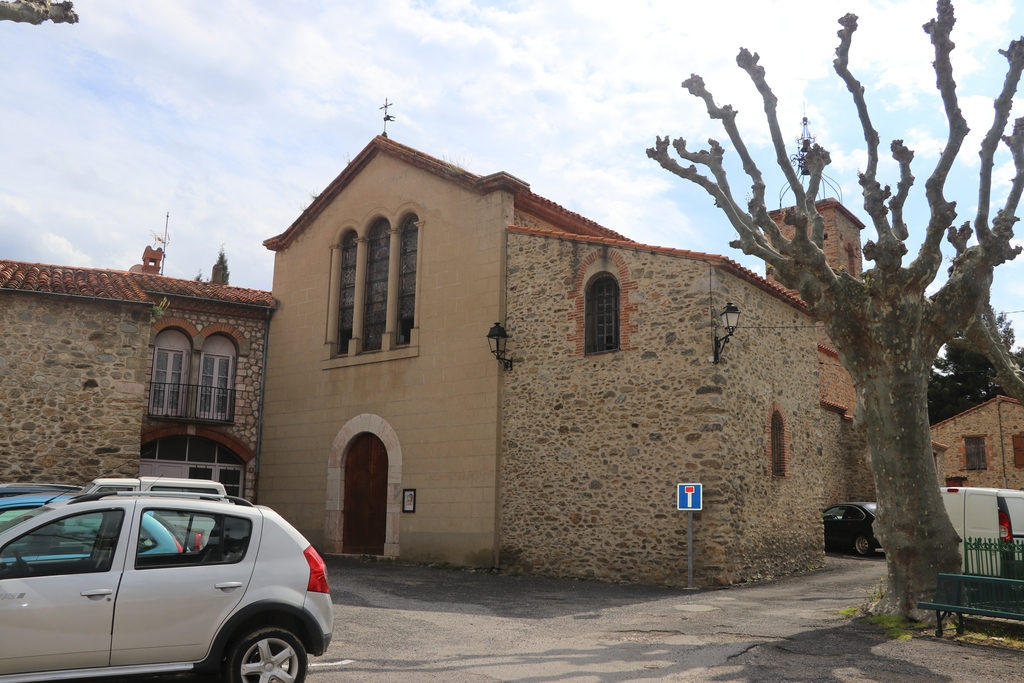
point(997, 422)
point(72, 379)
point(594, 445)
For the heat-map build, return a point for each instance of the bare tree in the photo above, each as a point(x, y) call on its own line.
point(886, 330)
point(38, 11)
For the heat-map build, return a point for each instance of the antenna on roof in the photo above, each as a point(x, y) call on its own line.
point(166, 241)
point(387, 116)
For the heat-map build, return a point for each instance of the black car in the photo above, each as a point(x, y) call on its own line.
point(848, 526)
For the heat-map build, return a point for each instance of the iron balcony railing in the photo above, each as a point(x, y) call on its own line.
point(994, 557)
point(191, 402)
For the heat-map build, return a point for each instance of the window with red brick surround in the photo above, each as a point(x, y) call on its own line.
point(778, 447)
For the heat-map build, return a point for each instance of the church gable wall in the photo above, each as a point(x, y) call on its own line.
point(438, 394)
point(594, 445)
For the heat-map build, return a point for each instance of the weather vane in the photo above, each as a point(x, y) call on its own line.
point(387, 116)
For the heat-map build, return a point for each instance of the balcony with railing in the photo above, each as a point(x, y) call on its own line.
point(198, 402)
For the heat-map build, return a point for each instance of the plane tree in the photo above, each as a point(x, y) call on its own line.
point(886, 329)
point(38, 11)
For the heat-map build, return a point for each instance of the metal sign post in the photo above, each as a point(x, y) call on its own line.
point(689, 497)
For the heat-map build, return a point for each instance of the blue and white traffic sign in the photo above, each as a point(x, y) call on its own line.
point(690, 497)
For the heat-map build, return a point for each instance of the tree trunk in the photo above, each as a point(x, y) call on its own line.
point(912, 525)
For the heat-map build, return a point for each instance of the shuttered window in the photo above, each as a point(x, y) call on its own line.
point(974, 447)
point(1018, 450)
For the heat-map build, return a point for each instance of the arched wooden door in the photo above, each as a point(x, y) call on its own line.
point(366, 493)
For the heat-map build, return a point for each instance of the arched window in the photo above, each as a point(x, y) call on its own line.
point(216, 380)
point(407, 281)
point(169, 385)
point(375, 311)
point(778, 437)
point(347, 300)
point(602, 315)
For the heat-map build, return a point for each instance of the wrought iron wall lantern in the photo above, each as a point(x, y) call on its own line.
point(497, 338)
point(730, 320)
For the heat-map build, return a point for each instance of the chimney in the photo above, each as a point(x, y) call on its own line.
point(217, 274)
point(151, 260)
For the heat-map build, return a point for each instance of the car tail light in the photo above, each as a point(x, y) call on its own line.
point(952, 490)
point(317, 572)
point(1005, 532)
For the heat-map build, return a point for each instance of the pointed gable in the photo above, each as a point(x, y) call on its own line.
point(553, 215)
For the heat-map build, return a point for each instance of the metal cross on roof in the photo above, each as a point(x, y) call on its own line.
point(387, 116)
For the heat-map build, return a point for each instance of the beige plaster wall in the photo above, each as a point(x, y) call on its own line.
point(72, 376)
point(595, 445)
point(440, 405)
point(996, 421)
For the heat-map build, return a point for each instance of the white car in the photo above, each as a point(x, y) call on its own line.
point(128, 583)
point(108, 484)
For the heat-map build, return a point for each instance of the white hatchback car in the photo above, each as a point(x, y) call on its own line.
point(118, 584)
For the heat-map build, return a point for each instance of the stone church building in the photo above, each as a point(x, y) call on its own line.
point(390, 428)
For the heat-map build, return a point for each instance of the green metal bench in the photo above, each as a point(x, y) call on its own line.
point(985, 596)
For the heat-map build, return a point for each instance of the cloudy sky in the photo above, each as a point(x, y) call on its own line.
point(229, 115)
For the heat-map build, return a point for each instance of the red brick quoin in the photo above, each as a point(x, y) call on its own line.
point(577, 316)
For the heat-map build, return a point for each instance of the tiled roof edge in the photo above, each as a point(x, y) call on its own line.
point(558, 215)
point(721, 261)
point(973, 408)
point(451, 172)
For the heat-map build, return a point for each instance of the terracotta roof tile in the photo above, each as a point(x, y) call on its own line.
point(170, 286)
point(118, 285)
point(70, 281)
point(726, 264)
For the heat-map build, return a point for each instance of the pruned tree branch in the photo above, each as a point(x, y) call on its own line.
point(38, 11)
point(929, 259)
point(903, 156)
point(1002, 105)
point(982, 336)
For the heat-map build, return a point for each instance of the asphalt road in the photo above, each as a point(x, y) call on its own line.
point(396, 623)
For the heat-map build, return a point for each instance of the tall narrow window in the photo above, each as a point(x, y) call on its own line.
point(778, 445)
point(169, 384)
point(348, 292)
point(602, 315)
point(974, 447)
point(216, 381)
point(375, 312)
point(407, 281)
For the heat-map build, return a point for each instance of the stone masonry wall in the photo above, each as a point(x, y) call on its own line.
point(1002, 416)
point(594, 445)
point(248, 334)
point(72, 376)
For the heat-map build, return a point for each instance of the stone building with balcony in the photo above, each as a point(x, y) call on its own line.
point(114, 373)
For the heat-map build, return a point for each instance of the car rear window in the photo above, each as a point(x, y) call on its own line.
point(175, 538)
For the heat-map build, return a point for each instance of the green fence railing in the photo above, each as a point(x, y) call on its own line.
point(993, 557)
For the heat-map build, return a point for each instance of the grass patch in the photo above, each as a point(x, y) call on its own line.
point(989, 632)
point(849, 611)
point(896, 627)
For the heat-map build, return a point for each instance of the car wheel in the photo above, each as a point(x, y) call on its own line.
point(862, 545)
point(266, 655)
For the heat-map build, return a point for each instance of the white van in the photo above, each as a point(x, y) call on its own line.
point(112, 484)
point(984, 513)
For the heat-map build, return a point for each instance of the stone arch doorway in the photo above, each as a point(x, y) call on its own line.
point(345, 444)
point(366, 487)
